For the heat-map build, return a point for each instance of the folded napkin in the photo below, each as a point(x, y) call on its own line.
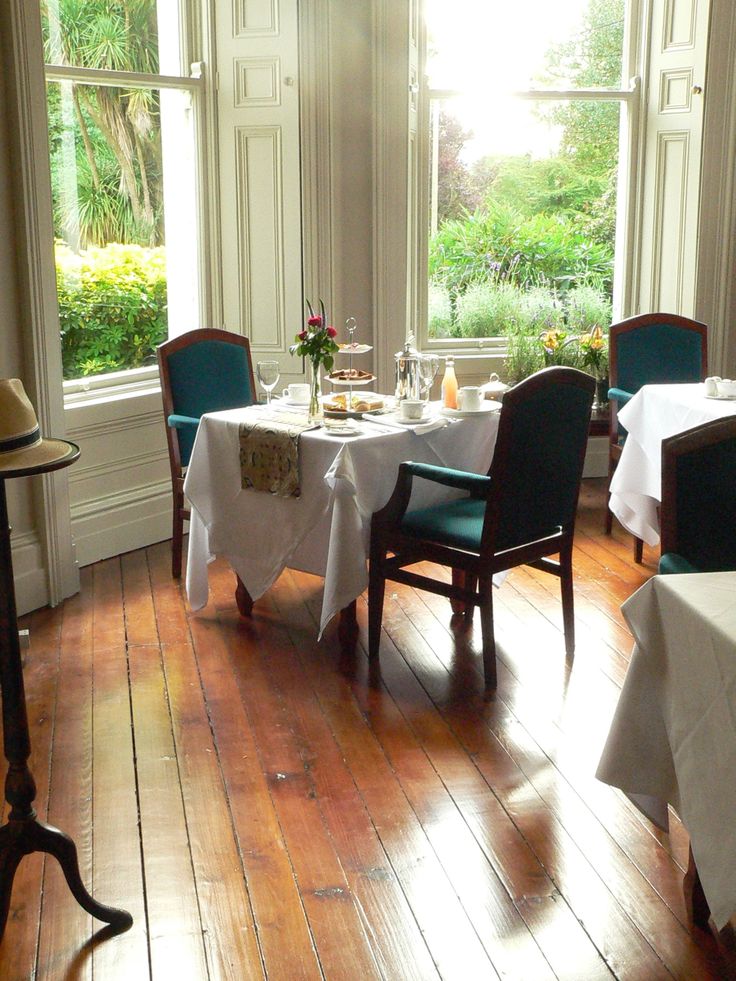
point(430, 426)
point(269, 450)
point(418, 427)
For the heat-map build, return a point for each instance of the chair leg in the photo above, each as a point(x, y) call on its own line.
point(470, 584)
point(485, 590)
point(177, 538)
point(609, 513)
point(376, 592)
point(568, 602)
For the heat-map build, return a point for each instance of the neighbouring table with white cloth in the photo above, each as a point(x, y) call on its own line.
point(655, 412)
point(326, 529)
point(673, 735)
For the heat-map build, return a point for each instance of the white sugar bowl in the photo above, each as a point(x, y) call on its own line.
point(711, 386)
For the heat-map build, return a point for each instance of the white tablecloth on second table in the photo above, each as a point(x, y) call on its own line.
point(653, 414)
point(326, 530)
point(673, 735)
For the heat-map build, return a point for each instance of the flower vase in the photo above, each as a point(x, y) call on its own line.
point(601, 393)
point(316, 413)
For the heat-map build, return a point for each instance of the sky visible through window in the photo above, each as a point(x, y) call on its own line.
point(504, 52)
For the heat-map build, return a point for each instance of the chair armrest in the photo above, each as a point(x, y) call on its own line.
point(395, 508)
point(619, 395)
point(477, 484)
point(671, 564)
point(182, 422)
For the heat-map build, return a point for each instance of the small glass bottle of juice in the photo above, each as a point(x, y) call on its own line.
point(449, 385)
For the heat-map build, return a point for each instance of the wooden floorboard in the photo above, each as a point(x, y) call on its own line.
point(270, 806)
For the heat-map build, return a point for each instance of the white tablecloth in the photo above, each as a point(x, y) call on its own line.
point(673, 736)
point(653, 414)
point(326, 530)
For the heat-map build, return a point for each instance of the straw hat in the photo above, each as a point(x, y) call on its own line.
point(21, 444)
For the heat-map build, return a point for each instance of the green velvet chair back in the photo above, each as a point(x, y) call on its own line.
point(656, 348)
point(213, 371)
point(538, 461)
point(698, 512)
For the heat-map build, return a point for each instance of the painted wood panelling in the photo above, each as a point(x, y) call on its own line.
point(260, 175)
point(670, 200)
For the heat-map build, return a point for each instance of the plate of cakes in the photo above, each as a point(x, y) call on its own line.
point(346, 404)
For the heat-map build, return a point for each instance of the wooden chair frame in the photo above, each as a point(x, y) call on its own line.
point(163, 352)
point(473, 571)
point(679, 445)
point(615, 448)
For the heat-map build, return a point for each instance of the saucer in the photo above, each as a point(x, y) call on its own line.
point(722, 398)
point(414, 422)
point(486, 406)
point(294, 404)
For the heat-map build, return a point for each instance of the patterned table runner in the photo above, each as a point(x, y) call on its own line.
point(269, 450)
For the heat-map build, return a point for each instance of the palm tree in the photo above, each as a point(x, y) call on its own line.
point(118, 35)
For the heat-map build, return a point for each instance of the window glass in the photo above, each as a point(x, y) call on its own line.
point(123, 175)
point(523, 189)
point(114, 35)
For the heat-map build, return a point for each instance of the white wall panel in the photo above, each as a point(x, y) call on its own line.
point(259, 195)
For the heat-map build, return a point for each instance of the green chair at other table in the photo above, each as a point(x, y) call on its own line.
point(519, 513)
point(201, 371)
point(650, 349)
point(698, 510)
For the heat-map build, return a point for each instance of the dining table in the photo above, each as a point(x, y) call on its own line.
point(343, 479)
point(654, 413)
point(672, 740)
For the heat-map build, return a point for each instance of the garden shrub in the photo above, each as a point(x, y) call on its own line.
point(439, 313)
point(587, 308)
point(488, 310)
point(112, 307)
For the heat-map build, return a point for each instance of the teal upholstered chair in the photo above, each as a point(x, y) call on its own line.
point(519, 513)
point(698, 511)
point(650, 349)
point(201, 371)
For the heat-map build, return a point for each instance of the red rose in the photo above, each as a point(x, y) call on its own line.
point(331, 332)
point(302, 336)
point(315, 321)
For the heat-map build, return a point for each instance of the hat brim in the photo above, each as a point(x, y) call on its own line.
point(47, 453)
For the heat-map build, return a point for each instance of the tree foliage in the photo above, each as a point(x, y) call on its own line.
point(116, 131)
point(112, 307)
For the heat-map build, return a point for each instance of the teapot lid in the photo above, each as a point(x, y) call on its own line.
point(408, 350)
point(494, 385)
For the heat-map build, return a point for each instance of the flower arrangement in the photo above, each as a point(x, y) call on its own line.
point(317, 343)
point(594, 351)
point(552, 342)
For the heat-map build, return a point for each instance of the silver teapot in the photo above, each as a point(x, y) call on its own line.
point(407, 372)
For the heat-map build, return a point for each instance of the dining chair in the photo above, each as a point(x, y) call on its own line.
point(649, 349)
point(201, 371)
point(698, 510)
point(519, 513)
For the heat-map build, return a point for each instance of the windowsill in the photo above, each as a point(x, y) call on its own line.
point(112, 387)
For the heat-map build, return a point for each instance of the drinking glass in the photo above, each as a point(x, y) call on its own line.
point(429, 365)
point(268, 375)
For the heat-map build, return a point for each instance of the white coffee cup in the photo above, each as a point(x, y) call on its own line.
point(411, 409)
point(469, 398)
point(297, 392)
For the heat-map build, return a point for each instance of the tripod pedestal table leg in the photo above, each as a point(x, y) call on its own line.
point(24, 833)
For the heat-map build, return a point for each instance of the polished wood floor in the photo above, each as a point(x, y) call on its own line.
point(269, 806)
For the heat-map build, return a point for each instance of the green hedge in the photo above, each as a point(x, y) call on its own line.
point(112, 307)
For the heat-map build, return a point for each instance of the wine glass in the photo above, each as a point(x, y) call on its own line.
point(268, 375)
point(429, 365)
